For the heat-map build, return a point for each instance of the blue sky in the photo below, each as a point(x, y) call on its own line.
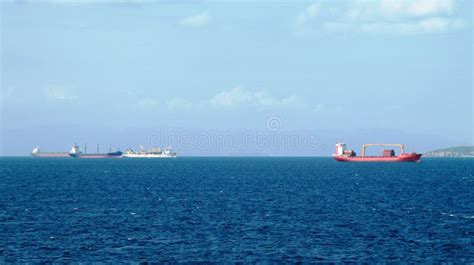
point(316, 65)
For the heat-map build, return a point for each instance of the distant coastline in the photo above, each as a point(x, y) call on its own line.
point(457, 151)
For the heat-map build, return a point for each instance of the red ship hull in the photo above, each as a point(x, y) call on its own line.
point(401, 158)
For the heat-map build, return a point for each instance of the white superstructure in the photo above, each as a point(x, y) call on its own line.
point(152, 153)
point(35, 151)
point(75, 150)
point(340, 148)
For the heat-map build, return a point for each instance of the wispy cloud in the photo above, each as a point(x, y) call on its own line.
point(183, 104)
point(239, 96)
point(197, 20)
point(428, 7)
point(427, 25)
point(229, 99)
point(308, 14)
point(92, 2)
point(318, 108)
point(146, 103)
point(55, 92)
point(385, 16)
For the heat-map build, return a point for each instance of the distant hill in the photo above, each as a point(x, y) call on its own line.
point(458, 151)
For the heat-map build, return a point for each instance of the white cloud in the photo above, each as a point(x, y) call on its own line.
point(430, 7)
point(238, 96)
point(427, 25)
point(171, 104)
point(147, 103)
point(308, 14)
point(232, 97)
point(388, 16)
point(364, 9)
point(88, 2)
point(318, 108)
point(54, 92)
point(183, 104)
point(440, 24)
point(391, 6)
point(197, 20)
point(228, 99)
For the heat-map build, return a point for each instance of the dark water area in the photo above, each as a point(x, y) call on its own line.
point(235, 210)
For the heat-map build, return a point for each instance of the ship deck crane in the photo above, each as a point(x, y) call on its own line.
point(364, 146)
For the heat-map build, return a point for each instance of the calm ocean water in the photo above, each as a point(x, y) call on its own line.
point(235, 209)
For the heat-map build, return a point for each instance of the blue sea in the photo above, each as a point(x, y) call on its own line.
point(236, 210)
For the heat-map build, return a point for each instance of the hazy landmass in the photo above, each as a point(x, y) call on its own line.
point(457, 151)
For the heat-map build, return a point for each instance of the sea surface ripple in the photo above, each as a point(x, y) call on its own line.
point(235, 210)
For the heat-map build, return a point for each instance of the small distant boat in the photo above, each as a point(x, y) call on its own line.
point(76, 153)
point(343, 155)
point(152, 153)
point(37, 153)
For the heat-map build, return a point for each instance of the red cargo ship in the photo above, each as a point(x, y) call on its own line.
point(344, 155)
